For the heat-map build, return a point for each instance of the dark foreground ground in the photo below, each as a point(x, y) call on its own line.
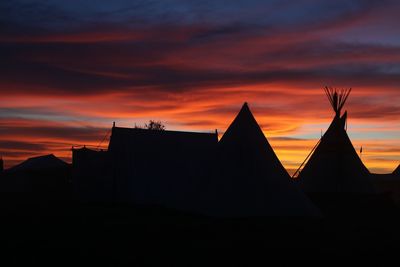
point(72, 233)
point(43, 225)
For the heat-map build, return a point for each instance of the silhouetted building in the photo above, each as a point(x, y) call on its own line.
point(335, 166)
point(238, 176)
point(1, 165)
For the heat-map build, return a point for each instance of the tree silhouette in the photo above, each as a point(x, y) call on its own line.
point(152, 125)
point(155, 125)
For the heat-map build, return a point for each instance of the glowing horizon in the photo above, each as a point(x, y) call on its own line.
point(291, 149)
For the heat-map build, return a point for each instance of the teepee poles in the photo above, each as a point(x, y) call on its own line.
point(337, 98)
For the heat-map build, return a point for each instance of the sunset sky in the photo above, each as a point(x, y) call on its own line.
point(71, 68)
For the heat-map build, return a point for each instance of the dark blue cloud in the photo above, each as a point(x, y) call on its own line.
point(52, 14)
point(38, 52)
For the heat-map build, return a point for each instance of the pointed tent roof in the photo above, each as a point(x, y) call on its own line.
point(254, 180)
point(335, 165)
point(39, 163)
point(245, 136)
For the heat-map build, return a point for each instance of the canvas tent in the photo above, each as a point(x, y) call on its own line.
point(168, 168)
point(334, 166)
point(46, 162)
point(252, 179)
point(43, 177)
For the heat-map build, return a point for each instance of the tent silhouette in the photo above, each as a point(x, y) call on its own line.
point(45, 162)
point(254, 180)
point(45, 178)
point(335, 166)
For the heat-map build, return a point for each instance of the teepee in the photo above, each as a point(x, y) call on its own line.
point(334, 166)
point(253, 180)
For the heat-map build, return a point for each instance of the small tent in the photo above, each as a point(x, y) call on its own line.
point(40, 163)
point(44, 178)
point(396, 172)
